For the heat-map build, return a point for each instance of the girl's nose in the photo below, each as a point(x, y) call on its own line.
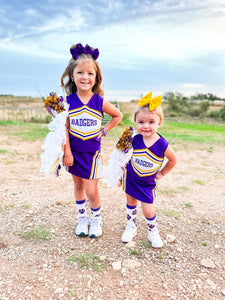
point(85, 75)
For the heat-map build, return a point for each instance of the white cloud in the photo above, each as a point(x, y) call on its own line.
point(183, 36)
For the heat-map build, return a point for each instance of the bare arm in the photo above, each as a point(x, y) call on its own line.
point(68, 156)
point(116, 115)
point(172, 160)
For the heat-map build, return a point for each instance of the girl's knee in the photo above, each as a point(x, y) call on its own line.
point(92, 194)
point(131, 201)
point(148, 210)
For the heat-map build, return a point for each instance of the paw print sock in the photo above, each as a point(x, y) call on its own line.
point(151, 222)
point(96, 213)
point(81, 206)
point(131, 215)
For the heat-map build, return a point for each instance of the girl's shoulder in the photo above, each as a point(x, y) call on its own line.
point(162, 139)
point(70, 97)
point(98, 97)
point(137, 139)
point(160, 145)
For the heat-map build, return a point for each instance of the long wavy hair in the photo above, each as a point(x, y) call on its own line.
point(69, 86)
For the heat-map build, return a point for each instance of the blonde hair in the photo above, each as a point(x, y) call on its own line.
point(69, 85)
point(158, 111)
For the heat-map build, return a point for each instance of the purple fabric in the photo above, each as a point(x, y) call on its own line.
point(157, 150)
point(85, 123)
point(143, 186)
point(80, 49)
point(86, 165)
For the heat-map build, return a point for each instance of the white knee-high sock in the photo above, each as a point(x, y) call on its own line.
point(81, 206)
point(131, 215)
point(96, 213)
point(151, 222)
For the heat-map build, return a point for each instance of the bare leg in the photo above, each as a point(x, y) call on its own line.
point(148, 210)
point(79, 191)
point(91, 190)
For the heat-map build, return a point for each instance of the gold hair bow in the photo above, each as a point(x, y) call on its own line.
point(153, 102)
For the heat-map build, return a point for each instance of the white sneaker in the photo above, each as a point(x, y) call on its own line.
point(95, 227)
point(82, 227)
point(154, 238)
point(129, 233)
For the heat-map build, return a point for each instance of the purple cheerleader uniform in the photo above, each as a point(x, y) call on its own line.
point(85, 124)
point(139, 176)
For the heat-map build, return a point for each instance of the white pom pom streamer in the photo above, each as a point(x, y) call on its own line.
point(51, 159)
point(113, 173)
point(120, 156)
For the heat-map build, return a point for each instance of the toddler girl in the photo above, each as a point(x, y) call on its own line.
point(143, 170)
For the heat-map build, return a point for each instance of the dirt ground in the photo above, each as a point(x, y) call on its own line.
point(190, 208)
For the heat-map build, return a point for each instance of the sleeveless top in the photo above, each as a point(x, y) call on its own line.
point(146, 162)
point(85, 123)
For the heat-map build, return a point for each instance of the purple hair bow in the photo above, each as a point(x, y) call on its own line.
point(86, 50)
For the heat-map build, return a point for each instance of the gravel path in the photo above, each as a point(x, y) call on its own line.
point(190, 208)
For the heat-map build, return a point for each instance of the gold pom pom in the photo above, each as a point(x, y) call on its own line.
point(125, 141)
point(54, 102)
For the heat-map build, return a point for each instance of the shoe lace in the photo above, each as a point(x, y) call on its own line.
point(83, 220)
point(95, 222)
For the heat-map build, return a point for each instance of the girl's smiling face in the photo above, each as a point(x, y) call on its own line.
point(147, 122)
point(84, 75)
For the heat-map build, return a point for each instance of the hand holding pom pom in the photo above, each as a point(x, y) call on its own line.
point(119, 158)
point(51, 159)
point(53, 103)
point(125, 141)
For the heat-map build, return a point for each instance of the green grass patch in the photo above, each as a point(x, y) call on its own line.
point(135, 252)
point(3, 151)
point(194, 132)
point(23, 130)
point(204, 244)
point(146, 244)
point(169, 191)
point(172, 213)
point(37, 234)
point(89, 260)
point(188, 204)
point(199, 181)
point(172, 131)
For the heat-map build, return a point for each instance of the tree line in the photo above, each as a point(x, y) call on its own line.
point(193, 106)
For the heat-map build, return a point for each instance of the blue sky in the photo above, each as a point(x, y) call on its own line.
point(145, 45)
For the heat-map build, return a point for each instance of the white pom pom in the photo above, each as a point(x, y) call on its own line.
point(53, 144)
point(113, 173)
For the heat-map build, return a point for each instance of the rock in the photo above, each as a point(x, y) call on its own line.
point(3, 245)
point(170, 238)
point(116, 265)
point(58, 291)
point(203, 276)
point(216, 246)
point(131, 245)
point(207, 263)
point(179, 250)
point(211, 284)
point(131, 264)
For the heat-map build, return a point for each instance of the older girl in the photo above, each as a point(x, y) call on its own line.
point(82, 153)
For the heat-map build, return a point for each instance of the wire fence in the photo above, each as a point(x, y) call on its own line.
point(36, 115)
